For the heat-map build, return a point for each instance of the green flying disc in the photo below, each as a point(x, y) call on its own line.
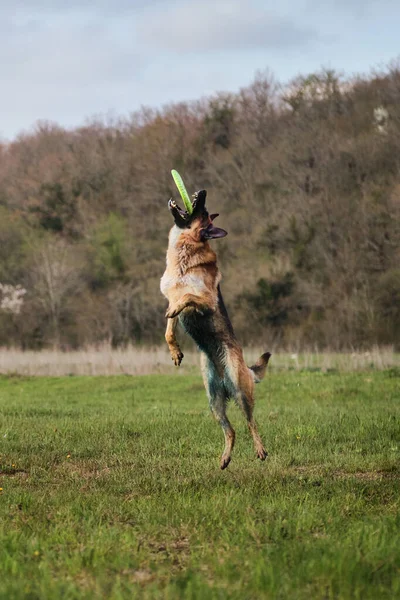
point(182, 190)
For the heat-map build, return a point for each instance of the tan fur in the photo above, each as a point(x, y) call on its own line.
point(190, 280)
point(190, 283)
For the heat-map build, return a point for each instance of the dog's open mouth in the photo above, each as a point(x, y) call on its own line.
point(183, 213)
point(195, 198)
point(183, 219)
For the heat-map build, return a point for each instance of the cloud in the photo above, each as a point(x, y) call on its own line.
point(61, 66)
point(100, 7)
point(69, 51)
point(219, 25)
point(66, 59)
point(352, 8)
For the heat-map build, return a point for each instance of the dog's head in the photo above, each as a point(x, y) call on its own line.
point(199, 225)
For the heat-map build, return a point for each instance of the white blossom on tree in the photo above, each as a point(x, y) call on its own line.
point(381, 117)
point(12, 298)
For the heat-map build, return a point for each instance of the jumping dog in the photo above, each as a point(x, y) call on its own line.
point(191, 285)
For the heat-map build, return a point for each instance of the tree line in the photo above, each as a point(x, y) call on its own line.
point(306, 178)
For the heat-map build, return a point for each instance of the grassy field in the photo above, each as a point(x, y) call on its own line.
point(111, 489)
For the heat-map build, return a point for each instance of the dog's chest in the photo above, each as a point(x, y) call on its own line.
point(189, 283)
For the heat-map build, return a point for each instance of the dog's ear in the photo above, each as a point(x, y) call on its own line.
point(214, 216)
point(212, 233)
point(180, 217)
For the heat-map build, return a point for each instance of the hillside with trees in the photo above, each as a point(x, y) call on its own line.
point(306, 179)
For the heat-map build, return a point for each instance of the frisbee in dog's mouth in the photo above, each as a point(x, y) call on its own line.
point(182, 190)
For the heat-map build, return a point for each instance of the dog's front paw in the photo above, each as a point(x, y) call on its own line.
point(177, 356)
point(171, 312)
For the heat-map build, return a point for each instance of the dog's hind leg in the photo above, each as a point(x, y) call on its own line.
point(217, 400)
point(246, 403)
point(218, 409)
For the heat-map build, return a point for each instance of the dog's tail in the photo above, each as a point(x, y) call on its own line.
point(258, 370)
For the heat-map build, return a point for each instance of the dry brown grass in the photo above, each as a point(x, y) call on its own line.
point(104, 360)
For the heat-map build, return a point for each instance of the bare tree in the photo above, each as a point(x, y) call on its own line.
point(55, 276)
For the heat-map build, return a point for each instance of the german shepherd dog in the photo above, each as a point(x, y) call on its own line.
point(191, 285)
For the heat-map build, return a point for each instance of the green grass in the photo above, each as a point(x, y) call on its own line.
point(112, 489)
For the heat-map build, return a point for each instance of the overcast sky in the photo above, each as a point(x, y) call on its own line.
point(69, 60)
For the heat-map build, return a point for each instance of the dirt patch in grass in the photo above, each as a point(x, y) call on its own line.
point(368, 475)
point(180, 545)
point(322, 473)
point(141, 576)
point(13, 473)
point(83, 471)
